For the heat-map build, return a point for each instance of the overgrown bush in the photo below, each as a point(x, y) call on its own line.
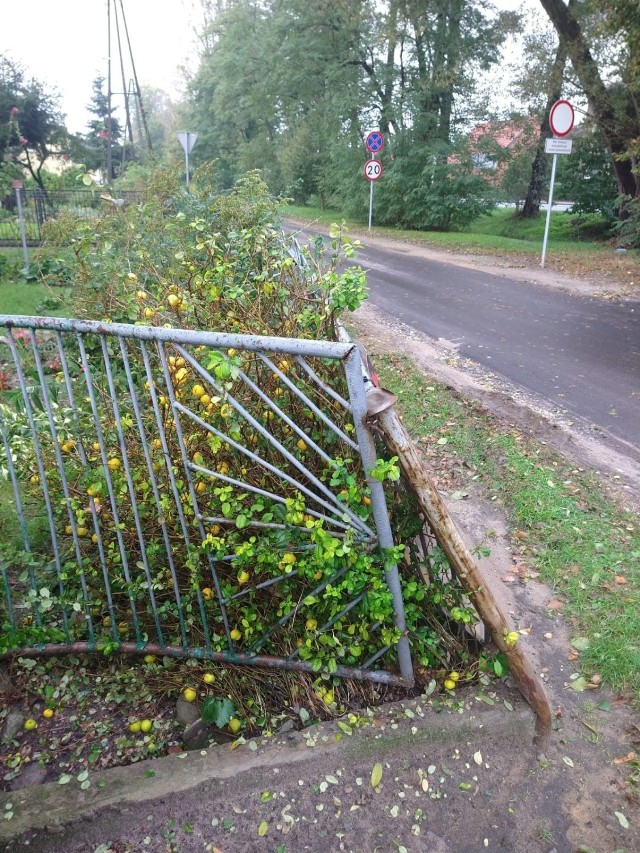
point(236, 512)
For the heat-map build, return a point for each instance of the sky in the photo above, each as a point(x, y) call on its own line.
point(63, 43)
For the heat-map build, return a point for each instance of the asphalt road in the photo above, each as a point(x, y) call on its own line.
point(579, 354)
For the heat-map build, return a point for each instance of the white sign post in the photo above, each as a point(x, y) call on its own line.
point(374, 142)
point(187, 140)
point(561, 119)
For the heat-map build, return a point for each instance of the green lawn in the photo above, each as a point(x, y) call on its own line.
point(498, 231)
point(21, 296)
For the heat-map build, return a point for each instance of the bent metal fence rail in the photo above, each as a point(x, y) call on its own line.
point(164, 499)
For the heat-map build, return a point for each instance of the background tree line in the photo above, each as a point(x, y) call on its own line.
point(291, 88)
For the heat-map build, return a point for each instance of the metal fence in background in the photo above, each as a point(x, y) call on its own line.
point(130, 454)
point(38, 206)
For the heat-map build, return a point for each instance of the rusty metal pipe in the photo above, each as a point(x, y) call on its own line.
point(464, 565)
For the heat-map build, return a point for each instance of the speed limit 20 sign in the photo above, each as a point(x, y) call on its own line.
point(373, 170)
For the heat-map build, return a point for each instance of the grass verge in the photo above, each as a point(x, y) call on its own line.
point(22, 295)
point(501, 234)
point(563, 522)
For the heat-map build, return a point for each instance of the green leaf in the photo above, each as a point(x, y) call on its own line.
point(579, 684)
point(624, 823)
point(263, 828)
point(376, 775)
point(580, 643)
point(465, 786)
point(64, 779)
point(605, 705)
point(345, 727)
point(217, 712)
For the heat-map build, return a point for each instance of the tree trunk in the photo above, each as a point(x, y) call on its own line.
point(600, 102)
point(531, 206)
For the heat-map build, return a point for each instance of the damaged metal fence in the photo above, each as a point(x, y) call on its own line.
point(128, 455)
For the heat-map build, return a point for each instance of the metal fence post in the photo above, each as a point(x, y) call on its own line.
point(368, 453)
point(23, 234)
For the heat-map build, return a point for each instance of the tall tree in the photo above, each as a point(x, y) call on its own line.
point(92, 147)
point(531, 206)
point(619, 127)
point(31, 124)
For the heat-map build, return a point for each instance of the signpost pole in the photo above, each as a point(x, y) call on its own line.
point(370, 202)
point(549, 206)
point(186, 159)
point(561, 120)
point(187, 139)
point(374, 143)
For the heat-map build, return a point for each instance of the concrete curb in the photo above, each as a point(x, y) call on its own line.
point(399, 727)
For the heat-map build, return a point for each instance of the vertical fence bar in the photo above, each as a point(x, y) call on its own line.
point(42, 474)
point(92, 504)
point(353, 370)
point(192, 494)
point(107, 473)
point(63, 479)
point(127, 470)
point(167, 460)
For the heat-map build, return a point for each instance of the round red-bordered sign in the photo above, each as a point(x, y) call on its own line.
point(373, 170)
point(374, 141)
point(561, 118)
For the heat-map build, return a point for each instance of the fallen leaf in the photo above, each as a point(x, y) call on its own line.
point(376, 775)
point(624, 823)
point(332, 780)
point(477, 757)
point(626, 759)
point(579, 684)
point(567, 761)
point(620, 580)
point(263, 828)
point(580, 643)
